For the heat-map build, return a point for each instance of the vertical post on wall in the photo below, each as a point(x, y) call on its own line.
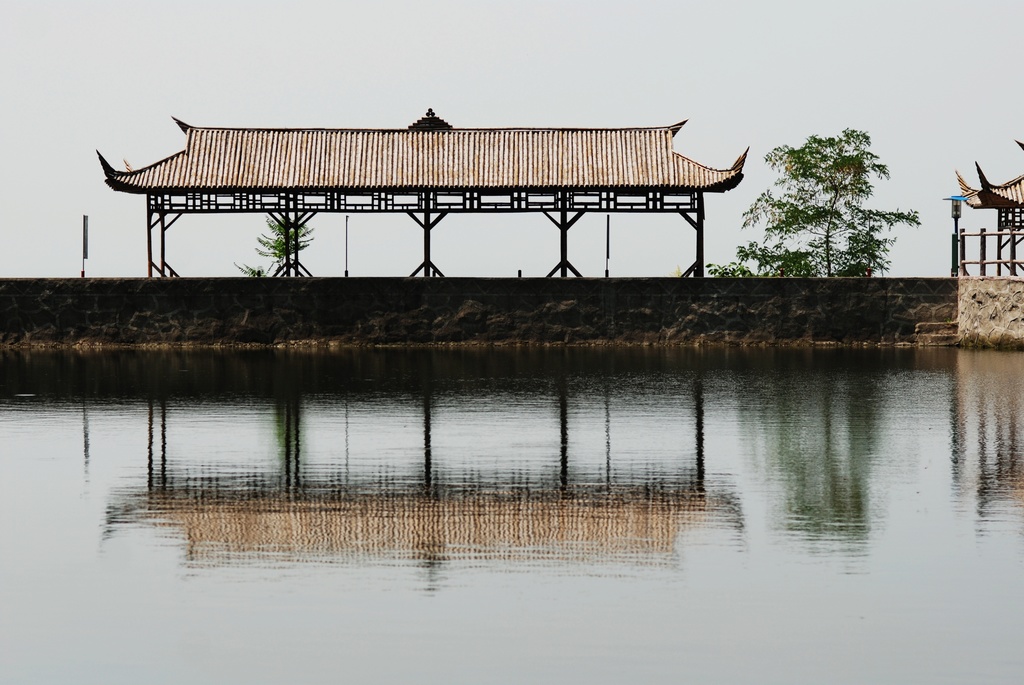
point(1013, 251)
point(291, 225)
point(287, 244)
point(607, 242)
point(564, 223)
point(164, 224)
point(1010, 224)
point(983, 250)
point(163, 244)
point(85, 242)
point(564, 245)
point(999, 252)
point(427, 224)
point(427, 269)
point(296, 226)
point(149, 244)
point(697, 223)
point(150, 221)
point(346, 246)
point(699, 271)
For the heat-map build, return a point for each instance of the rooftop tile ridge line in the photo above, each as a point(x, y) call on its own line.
point(560, 129)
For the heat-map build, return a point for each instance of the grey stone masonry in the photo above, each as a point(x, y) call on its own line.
point(227, 311)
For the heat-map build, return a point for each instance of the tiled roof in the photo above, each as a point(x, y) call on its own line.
point(1010, 194)
point(423, 157)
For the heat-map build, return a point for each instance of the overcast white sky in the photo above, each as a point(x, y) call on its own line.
point(937, 84)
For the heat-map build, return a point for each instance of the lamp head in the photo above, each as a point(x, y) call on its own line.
point(956, 206)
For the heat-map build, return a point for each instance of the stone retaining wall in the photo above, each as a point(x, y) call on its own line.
point(991, 312)
point(213, 311)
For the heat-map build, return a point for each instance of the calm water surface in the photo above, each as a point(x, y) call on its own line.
point(500, 516)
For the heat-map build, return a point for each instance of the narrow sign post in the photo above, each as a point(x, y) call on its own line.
point(85, 241)
point(607, 242)
point(346, 246)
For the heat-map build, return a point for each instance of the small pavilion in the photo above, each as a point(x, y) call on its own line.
point(1008, 201)
point(428, 171)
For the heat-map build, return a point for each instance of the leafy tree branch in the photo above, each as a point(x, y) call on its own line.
point(814, 219)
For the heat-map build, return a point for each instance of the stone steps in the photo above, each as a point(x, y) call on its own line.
point(937, 334)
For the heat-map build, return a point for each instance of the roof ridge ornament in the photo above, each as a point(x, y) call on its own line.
point(740, 161)
point(985, 185)
point(678, 125)
point(181, 124)
point(430, 122)
point(965, 189)
point(108, 170)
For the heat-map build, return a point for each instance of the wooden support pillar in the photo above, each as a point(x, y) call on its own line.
point(983, 251)
point(697, 222)
point(699, 272)
point(292, 224)
point(427, 224)
point(163, 244)
point(287, 224)
point(298, 268)
point(283, 220)
point(564, 245)
point(564, 223)
point(1013, 251)
point(157, 219)
point(150, 220)
point(963, 252)
point(426, 247)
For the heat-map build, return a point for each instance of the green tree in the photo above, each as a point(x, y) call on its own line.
point(272, 245)
point(817, 224)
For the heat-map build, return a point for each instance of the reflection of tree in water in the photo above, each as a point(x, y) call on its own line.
point(818, 431)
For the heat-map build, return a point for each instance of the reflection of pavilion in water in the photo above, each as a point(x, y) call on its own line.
point(296, 515)
point(988, 462)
